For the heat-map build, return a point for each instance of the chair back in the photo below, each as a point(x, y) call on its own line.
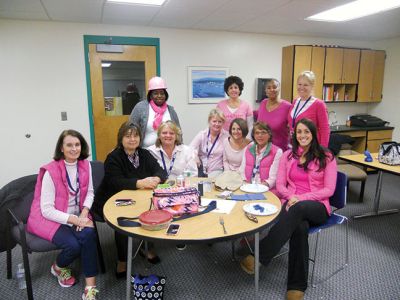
point(97, 173)
point(339, 197)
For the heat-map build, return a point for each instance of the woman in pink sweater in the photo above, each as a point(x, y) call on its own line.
point(306, 179)
point(307, 106)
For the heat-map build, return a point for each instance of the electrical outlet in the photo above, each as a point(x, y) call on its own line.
point(64, 116)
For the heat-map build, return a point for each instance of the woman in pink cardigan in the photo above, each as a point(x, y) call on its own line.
point(306, 179)
point(307, 106)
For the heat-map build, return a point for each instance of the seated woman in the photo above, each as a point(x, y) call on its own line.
point(174, 157)
point(261, 158)
point(235, 144)
point(128, 167)
point(306, 180)
point(209, 144)
point(60, 210)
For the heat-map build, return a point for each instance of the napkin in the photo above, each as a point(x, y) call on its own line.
point(244, 197)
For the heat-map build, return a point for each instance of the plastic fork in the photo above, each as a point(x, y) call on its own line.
point(221, 221)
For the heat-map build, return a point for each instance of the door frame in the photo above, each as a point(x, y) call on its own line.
point(111, 40)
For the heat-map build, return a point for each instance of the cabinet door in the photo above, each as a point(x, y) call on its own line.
point(365, 79)
point(373, 146)
point(317, 66)
point(379, 68)
point(333, 65)
point(351, 62)
point(302, 62)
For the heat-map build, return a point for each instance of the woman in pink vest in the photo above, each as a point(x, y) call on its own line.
point(60, 210)
point(306, 180)
point(307, 106)
point(261, 159)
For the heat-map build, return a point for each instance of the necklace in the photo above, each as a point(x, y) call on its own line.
point(235, 145)
point(271, 105)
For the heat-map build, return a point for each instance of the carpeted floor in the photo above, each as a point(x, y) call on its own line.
point(204, 272)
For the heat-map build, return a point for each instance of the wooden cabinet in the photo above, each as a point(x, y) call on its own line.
point(370, 83)
point(375, 138)
point(296, 59)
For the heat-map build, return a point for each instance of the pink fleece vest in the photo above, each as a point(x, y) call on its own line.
point(41, 226)
point(265, 164)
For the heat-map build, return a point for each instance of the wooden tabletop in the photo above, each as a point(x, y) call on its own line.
point(360, 159)
point(205, 227)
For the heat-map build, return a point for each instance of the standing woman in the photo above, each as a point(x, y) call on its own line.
point(128, 167)
point(306, 180)
point(209, 144)
point(234, 107)
point(307, 106)
point(148, 115)
point(60, 210)
point(235, 144)
point(274, 112)
point(171, 154)
point(261, 158)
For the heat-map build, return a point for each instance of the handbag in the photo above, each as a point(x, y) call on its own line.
point(177, 200)
point(148, 287)
point(389, 153)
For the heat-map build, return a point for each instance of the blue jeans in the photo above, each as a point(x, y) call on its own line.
point(77, 243)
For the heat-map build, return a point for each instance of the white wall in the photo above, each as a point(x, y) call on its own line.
point(43, 73)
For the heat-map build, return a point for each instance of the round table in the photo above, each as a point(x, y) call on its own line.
point(199, 229)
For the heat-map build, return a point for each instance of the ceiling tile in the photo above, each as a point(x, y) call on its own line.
point(129, 14)
point(88, 11)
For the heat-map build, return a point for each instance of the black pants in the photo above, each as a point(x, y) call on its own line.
point(293, 226)
point(121, 241)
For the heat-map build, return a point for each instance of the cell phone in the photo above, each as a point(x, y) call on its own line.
point(173, 229)
point(124, 202)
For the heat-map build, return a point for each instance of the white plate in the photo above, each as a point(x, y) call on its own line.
point(254, 188)
point(266, 209)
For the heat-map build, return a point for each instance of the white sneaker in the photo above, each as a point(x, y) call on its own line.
point(90, 293)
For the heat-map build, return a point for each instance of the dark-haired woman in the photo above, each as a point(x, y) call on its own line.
point(148, 115)
point(60, 210)
point(128, 167)
point(306, 179)
point(234, 107)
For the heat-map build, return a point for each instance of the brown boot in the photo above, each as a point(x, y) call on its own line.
point(247, 264)
point(294, 295)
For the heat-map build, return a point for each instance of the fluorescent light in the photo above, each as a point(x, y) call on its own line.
point(105, 65)
point(145, 2)
point(354, 10)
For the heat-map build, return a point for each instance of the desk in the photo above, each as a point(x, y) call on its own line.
point(375, 164)
point(201, 229)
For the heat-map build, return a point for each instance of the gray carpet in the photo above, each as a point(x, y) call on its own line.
point(204, 272)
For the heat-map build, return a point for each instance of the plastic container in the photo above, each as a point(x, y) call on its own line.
point(155, 219)
point(20, 274)
point(180, 181)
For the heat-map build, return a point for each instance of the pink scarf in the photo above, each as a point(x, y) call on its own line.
point(159, 110)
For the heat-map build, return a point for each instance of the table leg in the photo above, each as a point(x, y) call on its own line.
point(377, 199)
point(256, 260)
point(129, 269)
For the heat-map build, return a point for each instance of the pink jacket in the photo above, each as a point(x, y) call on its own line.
point(322, 184)
point(37, 224)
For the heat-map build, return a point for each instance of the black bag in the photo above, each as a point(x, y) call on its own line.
point(148, 287)
point(389, 153)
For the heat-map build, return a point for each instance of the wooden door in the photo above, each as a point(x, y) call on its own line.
point(365, 79)
point(107, 109)
point(317, 66)
point(333, 65)
point(351, 63)
point(379, 69)
point(302, 62)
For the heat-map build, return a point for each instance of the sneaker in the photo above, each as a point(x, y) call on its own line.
point(65, 279)
point(90, 293)
point(247, 264)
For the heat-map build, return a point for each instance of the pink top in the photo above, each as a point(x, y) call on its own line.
point(298, 175)
point(277, 121)
point(317, 112)
point(322, 183)
point(244, 111)
point(232, 158)
point(214, 161)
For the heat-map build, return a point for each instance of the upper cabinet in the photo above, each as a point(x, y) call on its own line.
point(372, 67)
point(342, 74)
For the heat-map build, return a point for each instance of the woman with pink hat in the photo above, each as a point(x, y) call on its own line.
point(148, 115)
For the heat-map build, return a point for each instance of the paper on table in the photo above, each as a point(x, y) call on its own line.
point(223, 206)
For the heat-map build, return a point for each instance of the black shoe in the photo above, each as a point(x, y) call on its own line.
point(120, 275)
point(154, 260)
point(180, 247)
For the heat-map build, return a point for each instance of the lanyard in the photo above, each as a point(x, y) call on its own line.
point(212, 146)
point(171, 164)
point(297, 111)
point(257, 164)
point(72, 191)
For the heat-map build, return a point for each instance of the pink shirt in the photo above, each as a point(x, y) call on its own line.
point(232, 158)
point(317, 112)
point(244, 111)
point(277, 120)
point(300, 177)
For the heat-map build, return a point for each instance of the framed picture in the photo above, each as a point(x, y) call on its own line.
point(260, 90)
point(206, 84)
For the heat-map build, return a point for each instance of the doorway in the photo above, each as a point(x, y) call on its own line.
point(117, 72)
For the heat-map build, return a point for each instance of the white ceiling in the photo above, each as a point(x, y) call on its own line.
point(284, 17)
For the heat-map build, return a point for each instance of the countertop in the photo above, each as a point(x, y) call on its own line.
point(344, 128)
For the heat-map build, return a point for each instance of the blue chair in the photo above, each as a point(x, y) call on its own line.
point(337, 201)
